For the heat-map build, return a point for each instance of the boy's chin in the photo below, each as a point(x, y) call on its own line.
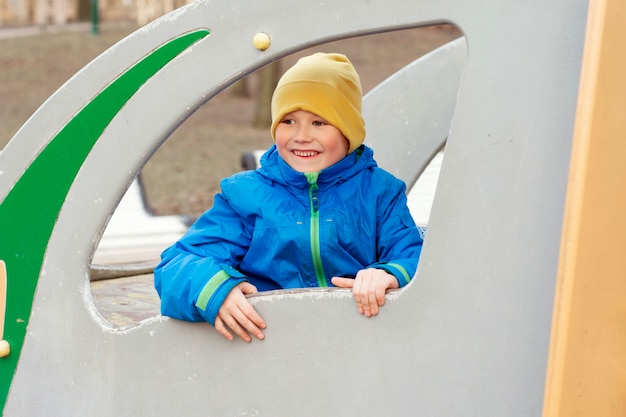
point(307, 166)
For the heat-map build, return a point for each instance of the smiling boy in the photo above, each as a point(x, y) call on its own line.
point(317, 213)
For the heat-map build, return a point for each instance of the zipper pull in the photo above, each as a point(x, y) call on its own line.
point(311, 178)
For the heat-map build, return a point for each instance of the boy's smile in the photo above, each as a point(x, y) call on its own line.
point(308, 143)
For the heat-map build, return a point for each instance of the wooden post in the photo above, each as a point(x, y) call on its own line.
point(587, 367)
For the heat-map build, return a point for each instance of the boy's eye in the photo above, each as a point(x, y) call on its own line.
point(319, 123)
point(287, 121)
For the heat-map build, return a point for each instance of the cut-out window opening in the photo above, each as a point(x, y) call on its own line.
point(179, 182)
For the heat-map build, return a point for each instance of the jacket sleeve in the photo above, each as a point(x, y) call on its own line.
point(399, 241)
point(198, 271)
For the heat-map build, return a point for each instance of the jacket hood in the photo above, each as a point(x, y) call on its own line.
point(275, 169)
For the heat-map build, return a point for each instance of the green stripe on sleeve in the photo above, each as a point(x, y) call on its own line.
point(209, 289)
point(400, 269)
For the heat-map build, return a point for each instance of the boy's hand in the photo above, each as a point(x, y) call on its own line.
point(238, 315)
point(368, 288)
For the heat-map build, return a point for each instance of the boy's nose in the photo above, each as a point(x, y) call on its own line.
point(302, 134)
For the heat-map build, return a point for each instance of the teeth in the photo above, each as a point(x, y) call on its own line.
point(305, 153)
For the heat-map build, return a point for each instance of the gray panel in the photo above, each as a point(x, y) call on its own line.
point(408, 116)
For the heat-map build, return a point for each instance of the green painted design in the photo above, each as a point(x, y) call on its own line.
point(30, 209)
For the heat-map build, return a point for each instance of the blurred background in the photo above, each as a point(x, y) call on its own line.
point(45, 42)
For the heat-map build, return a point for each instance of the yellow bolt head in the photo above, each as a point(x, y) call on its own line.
point(5, 349)
point(261, 41)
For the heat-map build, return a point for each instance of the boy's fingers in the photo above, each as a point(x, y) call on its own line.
point(248, 288)
point(219, 326)
point(381, 290)
point(377, 295)
point(369, 308)
point(342, 282)
point(357, 290)
point(373, 301)
point(251, 313)
point(253, 316)
point(252, 322)
point(236, 327)
point(368, 288)
point(247, 317)
point(240, 323)
point(370, 291)
point(238, 315)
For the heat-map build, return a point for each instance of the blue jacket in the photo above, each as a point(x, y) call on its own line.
point(278, 228)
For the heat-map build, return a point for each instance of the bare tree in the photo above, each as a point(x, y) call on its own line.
point(269, 76)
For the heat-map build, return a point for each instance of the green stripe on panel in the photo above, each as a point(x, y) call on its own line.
point(30, 209)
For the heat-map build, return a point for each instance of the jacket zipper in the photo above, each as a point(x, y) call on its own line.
point(315, 228)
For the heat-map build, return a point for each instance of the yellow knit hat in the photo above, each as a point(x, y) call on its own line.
point(327, 85)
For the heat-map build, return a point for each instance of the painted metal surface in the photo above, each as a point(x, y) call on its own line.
point(49, 177)
point(469, 336)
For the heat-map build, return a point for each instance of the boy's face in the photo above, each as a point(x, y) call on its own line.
point(309, 143)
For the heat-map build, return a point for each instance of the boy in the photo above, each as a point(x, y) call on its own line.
point(318, 212)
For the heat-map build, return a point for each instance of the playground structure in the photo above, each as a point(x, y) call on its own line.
point(512, 282)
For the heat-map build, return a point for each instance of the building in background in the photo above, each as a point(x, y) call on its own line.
point(58, 12)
